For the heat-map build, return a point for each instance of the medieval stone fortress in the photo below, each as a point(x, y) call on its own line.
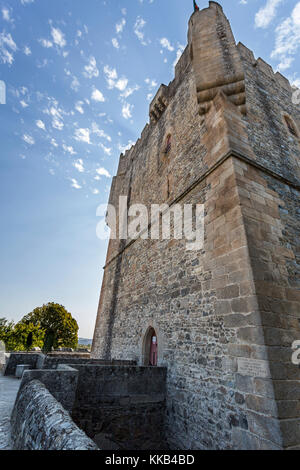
point(192, 349)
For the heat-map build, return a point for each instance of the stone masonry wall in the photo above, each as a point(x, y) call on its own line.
point(225, 316)
point(272, 220)
point(61, 383)
point(123, 407)
point(39, 422)
point(20, 358)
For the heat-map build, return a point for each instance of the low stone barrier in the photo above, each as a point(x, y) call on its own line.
point(62, 383)
point(122, 407)
point(53, 360)
point(15, 359)
point(39, 422)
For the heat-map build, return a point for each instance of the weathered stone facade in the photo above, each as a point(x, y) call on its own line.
point(226, 316)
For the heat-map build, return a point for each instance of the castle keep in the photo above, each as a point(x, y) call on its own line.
point(224, 133)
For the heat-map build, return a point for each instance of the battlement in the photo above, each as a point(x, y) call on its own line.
point(264, 67)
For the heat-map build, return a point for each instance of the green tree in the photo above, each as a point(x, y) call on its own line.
point(57, 323)
point(6, 329)
point(29, 341)
point(49, 341)
point(17, 338)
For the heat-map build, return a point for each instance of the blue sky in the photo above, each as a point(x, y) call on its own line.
point(80, 76)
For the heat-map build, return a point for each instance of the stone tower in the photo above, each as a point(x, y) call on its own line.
point(225, 317)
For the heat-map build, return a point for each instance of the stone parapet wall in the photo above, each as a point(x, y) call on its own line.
point(51, 361)
point(124, 406)
point(39, 422)
point(16, 359)
point(61, 383)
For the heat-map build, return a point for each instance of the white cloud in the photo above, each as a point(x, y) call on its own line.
point(179, 52)
point(75, 84)
point(69, 149)
point(151, 83)
point(82, 135)
point(6, 14)
point(75, 184)
point(115, 43)
point(97, 95)
point(58, 37)
point(138, 30)
point(103, 172)
point(107, 150)
point(28, 139)
point(91, 69)
point(57, 124)
point(79, 107)
point(27, 50)
point(123, 148)
point(112, 79)
point(40, 124)
point(287, 39)
point(267, 13)
point(7, 47)
point(25, 2)
point(127, 110)
point(78, 164)
point(129, 91)
point(45, 43)
point(120, 26)
point(99, 132)
point(166, 44)
point(24, 104)
point(121, 84)
point(56, 113)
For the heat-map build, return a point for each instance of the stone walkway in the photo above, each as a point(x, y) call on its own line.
point(9, 387)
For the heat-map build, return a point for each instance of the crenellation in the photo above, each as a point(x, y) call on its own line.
point(265, 68)
point(246, 52)
point(182, 64)
point(283, 81)
point(159, 103)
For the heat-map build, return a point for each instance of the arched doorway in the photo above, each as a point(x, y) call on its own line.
point(150, 348)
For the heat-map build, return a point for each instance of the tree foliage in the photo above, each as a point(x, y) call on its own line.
point(16, 336)
point(59, 326)
point(46, 327)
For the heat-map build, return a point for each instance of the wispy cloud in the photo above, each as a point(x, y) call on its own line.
point(7, 48)
point(82, 135)
point(139, 30)
point(103, 172)
point(267, 13)
point(91, 69)
point(287, 41)
point(28, 139)
point(97, 95)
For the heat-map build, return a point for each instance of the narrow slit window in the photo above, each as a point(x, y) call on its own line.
point(168, 145)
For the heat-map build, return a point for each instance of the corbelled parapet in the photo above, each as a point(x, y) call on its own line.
point(216, 61)
point(159, 103)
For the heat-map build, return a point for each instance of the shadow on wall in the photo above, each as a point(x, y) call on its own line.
point(117, 406)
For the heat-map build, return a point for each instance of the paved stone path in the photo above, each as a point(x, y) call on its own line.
point(9, 387)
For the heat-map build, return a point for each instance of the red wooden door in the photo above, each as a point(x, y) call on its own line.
point(153, 351)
